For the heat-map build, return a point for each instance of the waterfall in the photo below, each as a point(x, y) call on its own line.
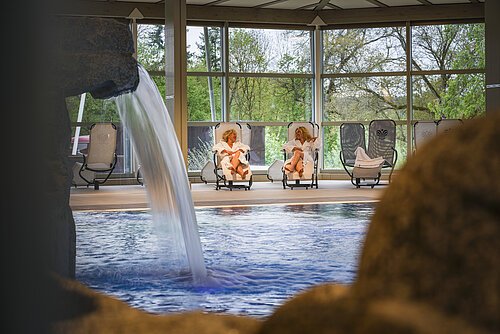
point(144, 115)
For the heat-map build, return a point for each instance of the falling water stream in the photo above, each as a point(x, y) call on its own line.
point(145, 116)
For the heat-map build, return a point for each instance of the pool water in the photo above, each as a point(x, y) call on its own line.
point(260, 256)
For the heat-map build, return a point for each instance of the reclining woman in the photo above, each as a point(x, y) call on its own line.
point(232, 153)
point(302, 147)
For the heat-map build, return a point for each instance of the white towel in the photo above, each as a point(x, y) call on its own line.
point(364, 161)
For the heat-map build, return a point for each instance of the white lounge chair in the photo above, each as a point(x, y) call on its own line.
point(223, 176)
point(309, 177)
point(423, 131)
point(101, 155)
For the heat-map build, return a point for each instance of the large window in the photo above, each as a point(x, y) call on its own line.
point(266, 77)
point(448, 71)
point(364, 78)
point(205, 91)
point(269, 51)
point(367, 75)
point(266, 81)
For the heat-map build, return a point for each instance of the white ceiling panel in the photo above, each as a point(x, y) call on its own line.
point(442, 2)
point(292, 4)
point(349, 4)
point(397, 3)
point(197, 2)
point(138, 1)
point(243, 3)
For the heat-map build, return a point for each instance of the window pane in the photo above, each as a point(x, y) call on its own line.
point(364, 99)
point(331, 147)
point(364, 50)
point(269, 50)
point(273, 139)
point(151, 46)
point(200, 143)
point(448, 96)
point(445, 47)
point(95, 110)
point(401, 145)
point(204, 104)
point(270, 99)
point(159, 80)
point(82, 140)
point(198, 49)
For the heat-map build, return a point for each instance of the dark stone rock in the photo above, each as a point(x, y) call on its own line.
point(434, 236)
point(87, 55)
point(96, 56)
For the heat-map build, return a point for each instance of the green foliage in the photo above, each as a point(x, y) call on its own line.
point(198, 61)
point(160, 84)
point(276, 136)
point(96, 110)
point(462, 96)
point(198, 100)
point(247, 51)
point(151, 46)
point(331, 147)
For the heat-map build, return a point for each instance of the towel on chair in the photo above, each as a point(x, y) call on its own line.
point(364, 161)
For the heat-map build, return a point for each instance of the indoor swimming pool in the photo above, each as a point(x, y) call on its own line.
point(258, 255)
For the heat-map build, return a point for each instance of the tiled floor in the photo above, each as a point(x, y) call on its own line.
point(135, 196)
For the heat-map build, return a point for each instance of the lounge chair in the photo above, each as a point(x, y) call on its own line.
point(352, 136)
point(363, 166)
point(425, 130)
point(382, 142)
point(445, 125)
point(101, 155)
point(352, 141)
point(309, 177)
point(207, 173)
point(223, 176)
point(275, 171)
point(422, 132)
point(138, 176)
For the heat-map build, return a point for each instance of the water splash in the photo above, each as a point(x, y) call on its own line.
point(145, 116)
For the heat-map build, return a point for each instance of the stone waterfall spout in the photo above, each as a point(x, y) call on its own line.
point(90, 55)
point(96, 57)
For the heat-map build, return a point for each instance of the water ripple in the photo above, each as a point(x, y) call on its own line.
point(259, 256)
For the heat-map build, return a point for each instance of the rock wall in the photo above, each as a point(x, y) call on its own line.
point(92, 55)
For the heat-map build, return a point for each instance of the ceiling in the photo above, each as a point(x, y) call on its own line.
point(284, 12)
point(311, 4)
